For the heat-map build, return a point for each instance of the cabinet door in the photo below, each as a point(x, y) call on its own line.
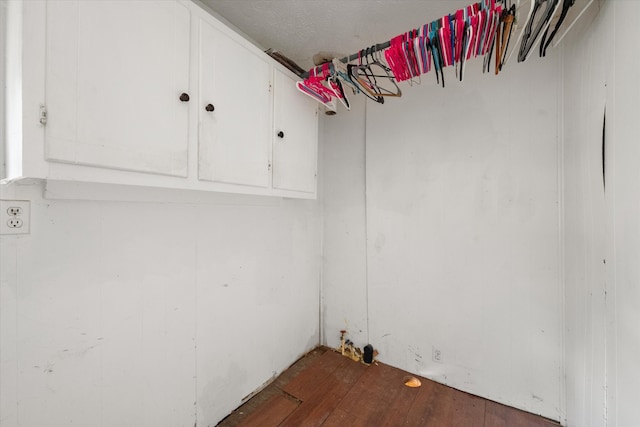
point(115, 73)
point(295, 143)
point(234, 137)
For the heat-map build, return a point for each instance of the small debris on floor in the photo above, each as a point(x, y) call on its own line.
point(413, 382)
point(348, 349)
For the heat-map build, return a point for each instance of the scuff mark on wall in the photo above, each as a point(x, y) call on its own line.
point(77, 353)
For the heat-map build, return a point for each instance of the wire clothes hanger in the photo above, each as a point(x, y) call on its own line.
point(373, 77)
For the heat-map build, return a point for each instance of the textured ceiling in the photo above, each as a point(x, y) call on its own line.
point(301, 28)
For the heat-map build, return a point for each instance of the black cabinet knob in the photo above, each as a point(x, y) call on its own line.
point(209, 107)
point(280, 134)
point(184, 97)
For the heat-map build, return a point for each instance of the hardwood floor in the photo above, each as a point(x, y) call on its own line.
point(326, 389)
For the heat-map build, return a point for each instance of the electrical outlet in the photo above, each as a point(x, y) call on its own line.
point(15, 217)
point(15, 223)
point(437, 355)
point(14, 210)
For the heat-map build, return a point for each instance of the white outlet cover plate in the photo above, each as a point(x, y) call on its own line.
point(25, 216)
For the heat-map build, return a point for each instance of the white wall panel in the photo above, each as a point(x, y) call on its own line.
point(344, 305)
point(602, 299)
point(152, 313)
point(462, 209)
point(623, 347)
point(461, 231)
point(585, 78)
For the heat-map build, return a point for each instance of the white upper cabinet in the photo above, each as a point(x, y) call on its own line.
point(295, 143)
point(234, 111)
point(115, 72)
point(151, 93)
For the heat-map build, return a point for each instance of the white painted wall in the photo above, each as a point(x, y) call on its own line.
point(344, 279)
point(624, 207)
point(158, 312)
point(603, 300)
point(167, 309)
point(3, 37)
point(462, 233)
point(586, 73)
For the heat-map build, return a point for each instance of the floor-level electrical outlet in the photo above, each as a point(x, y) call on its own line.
point(15, 217)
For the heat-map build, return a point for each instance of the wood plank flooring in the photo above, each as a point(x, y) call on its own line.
point(326, 389)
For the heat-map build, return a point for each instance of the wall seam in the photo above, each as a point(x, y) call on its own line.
point(196, 250)
point(366, 226)
point(561, 240)
point(323, 214)
point(3, 136)
point(612, 313)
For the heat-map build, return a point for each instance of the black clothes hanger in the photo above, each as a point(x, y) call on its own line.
point(463, 50)
point(566, 5)
point(373, 77)
point(365, 76)
point(487, 62)
point(434, 47)
point(530, 34)
point(376, 64)
point(352, 71)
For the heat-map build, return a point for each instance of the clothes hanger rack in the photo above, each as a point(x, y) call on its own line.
point(481, 29)
point(385, 45)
